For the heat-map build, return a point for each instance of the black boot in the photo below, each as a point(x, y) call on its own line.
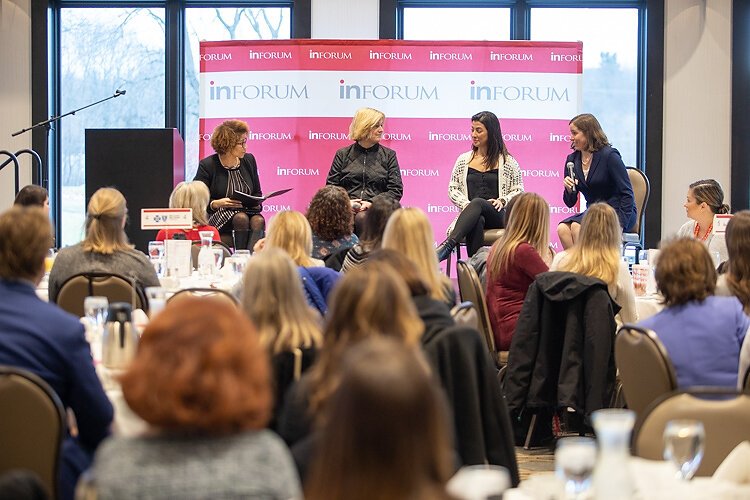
point(241, 239)
point(255, 235)
point(445, 249)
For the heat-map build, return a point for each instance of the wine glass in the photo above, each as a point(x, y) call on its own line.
point(684, 444)
point(575, 459)
point(95, 308)
point(479, 482)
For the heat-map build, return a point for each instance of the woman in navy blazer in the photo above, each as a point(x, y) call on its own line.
point(598, 173)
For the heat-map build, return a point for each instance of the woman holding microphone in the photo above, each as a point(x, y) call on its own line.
point(594, 169)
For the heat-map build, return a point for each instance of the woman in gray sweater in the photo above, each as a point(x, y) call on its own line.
point(201, 380)
point(105, 248)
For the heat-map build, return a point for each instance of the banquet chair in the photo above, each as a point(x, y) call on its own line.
point(490, 237)
point(465, 314)
point(115, 287)
point(215, 293)
point(470, 289)
point(641, 192)
point(644, 367)
point(725, 414)
point(32, 426)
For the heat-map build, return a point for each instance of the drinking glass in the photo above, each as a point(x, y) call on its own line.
point(218, 257)
point(237, 265)
point(49, 260)
point(158, 264)
point(95, 308)
point(242, 253)
point(684, 444)
point(156, 249)
point(575, 459)
point(479, 482)
point(157, 299)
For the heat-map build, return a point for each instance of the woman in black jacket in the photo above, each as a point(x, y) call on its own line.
point(366, 169)
point(230, 170)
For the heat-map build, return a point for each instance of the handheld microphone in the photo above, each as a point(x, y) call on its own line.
point(120, 92)
point(571, 174)
point(356, 206)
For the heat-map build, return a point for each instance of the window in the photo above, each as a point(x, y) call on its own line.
point(456, 24)
point(102, 50)
point(221, 24)
point(610, 65)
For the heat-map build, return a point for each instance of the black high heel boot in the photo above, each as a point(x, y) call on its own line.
point(241, 238)
point(445, 249)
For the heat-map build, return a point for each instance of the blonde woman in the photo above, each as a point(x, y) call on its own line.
point(274, 299)
point(514, 262)
point(408, 231)
point(105, 247)
point(193, 195)
point(290, 231)
point(370, 301)
point(597, 254)
point(366, 169)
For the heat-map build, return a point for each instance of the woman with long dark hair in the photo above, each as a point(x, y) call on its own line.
point(482, 182)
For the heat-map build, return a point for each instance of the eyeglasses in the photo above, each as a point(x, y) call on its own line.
point(242, 142)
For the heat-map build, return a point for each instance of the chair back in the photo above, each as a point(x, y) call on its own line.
point(645, 369)
point(470, 288)
point(725, 418)
point(32, 426)
point(641, 192)
point(115, 287)
point(465, 314)
point(205, 292)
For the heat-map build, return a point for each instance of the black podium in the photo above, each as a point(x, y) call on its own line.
point(143, 164)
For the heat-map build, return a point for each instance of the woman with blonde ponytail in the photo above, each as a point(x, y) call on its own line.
point(597, 253)
point(105, 248)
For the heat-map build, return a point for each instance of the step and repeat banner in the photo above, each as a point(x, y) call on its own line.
point(299, 96)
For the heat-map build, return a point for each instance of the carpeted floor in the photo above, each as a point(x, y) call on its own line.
point(534, 460)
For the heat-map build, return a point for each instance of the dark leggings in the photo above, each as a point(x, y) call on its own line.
point(253, 225)
point(478, 215)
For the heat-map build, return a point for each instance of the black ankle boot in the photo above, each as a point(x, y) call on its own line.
point(255, 235)
point(241, 239)
point(445, 249)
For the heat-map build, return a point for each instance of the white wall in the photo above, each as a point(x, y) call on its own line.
point(697, 101)
point(15, 91)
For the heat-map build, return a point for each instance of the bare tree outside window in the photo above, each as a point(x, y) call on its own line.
point(215, 24)
point(104, 49)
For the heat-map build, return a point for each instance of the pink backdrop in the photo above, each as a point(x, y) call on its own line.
point(298, 96)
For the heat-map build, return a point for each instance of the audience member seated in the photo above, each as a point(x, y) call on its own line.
point(705, 199)
point(105, 248)
point(409, 232)
point(375, 219)
point(369, 301)
point(460, 360)
point(274, 300)
point(332, 222)
point(514, 263)
point(736, 280)
point(201, 380)
point(597, 253)
point(703, 334)
point(290, 231)
point(193, 195)
point(40, 337)
point(385, 431)
point(33, 196)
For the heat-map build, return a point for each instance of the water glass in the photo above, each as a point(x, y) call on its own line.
point(156, 249)
point(237, 265)
point(479, 482)
point(95, 308)
point(641, 274)
point(157, 299)
point(242, 253)
point(218, 257)
point(684, 444)
point(575, 460)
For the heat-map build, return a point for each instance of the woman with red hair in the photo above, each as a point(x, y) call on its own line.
point(201, 380)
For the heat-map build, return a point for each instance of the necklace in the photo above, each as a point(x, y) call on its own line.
point(237, 164)
point(698, 231)
point(584, 162)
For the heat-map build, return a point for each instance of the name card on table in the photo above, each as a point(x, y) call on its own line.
point(166, 218)
point(720, 222)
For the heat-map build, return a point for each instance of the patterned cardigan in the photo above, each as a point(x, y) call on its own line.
point(510, 182)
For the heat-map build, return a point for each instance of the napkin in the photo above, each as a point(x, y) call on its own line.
point(736, 467)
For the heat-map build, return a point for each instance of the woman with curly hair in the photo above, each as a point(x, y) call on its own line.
point(332, 222)
point(201, 380)
point(736, 280)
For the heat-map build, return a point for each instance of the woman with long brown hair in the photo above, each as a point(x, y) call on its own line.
point(514, 262)
point(385, 435)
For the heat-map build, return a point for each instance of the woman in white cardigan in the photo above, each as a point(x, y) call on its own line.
point(482, 182)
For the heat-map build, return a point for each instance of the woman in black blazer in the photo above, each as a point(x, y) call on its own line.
point(598, 173)
point(232, 169)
